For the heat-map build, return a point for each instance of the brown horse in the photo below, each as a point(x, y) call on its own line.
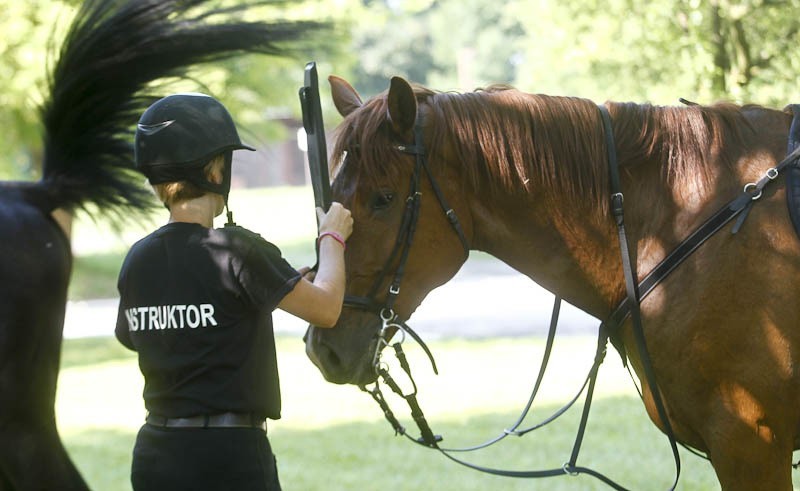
point(527, 175)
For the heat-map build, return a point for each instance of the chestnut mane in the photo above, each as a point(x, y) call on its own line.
point(509, 141)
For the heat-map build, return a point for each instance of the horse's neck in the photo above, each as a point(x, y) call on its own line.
point(574, 251)
point(573, 256)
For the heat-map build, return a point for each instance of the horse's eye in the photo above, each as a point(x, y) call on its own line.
point(381, 200)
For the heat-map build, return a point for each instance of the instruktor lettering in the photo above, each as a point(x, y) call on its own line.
point(162, 317)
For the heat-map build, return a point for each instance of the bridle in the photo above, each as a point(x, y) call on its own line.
point(401, 250)
point(408, 225)
point(609, 329)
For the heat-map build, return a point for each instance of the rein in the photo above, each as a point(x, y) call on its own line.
point(608, 329)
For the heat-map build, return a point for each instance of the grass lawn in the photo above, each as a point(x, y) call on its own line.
point(335, 438)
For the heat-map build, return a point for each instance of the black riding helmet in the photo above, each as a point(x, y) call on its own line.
point(179, 134)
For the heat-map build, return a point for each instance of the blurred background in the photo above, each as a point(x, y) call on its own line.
point(485, 327)
point(626, 50)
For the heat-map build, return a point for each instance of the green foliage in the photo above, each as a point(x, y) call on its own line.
point(607, 50)
point(28, 28)
point(655, 50)
point(258, 90)
point(446, 45)
point(393, 43)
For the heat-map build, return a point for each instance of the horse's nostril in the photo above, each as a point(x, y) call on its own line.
point(322, 355)
point(338, 362)
point(332, 359)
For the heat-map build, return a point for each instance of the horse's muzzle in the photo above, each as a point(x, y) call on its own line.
point(339, 361)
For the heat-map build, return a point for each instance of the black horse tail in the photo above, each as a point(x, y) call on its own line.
point(103, 80)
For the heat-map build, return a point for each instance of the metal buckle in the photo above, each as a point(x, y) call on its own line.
point(772, 173)
point(387, 318)
point(749, 186)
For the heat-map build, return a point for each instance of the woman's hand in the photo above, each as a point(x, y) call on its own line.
point(337, 220)
point(307, 273)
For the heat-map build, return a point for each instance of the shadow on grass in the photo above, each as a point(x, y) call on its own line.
point(620, 442)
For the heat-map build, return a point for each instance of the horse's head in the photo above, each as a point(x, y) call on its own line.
point(401, 231)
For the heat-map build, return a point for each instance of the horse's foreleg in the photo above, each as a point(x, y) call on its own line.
point(748, 450)
point(750, 455)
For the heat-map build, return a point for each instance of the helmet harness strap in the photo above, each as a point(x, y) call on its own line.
point(198, 178)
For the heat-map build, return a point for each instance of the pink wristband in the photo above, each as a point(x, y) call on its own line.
point(338, 238)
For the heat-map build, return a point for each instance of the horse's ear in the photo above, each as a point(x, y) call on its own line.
point(402, 106)
point(345, 97)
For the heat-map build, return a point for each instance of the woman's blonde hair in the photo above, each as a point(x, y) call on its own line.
point(175, 192)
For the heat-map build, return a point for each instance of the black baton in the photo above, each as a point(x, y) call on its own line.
point(315, 132)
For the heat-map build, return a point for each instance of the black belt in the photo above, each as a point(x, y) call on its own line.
point(223, 420)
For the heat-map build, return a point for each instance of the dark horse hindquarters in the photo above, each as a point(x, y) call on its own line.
point(35, 269)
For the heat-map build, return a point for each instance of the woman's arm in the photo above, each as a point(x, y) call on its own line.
point(320, 302)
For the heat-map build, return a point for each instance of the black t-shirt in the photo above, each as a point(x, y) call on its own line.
point(196, 304)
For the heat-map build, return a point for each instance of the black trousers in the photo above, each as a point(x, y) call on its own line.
point(197, 459)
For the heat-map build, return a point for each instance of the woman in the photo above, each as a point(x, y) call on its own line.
point(196, 304)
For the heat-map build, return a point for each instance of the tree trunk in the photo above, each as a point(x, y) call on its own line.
point(721, 60)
